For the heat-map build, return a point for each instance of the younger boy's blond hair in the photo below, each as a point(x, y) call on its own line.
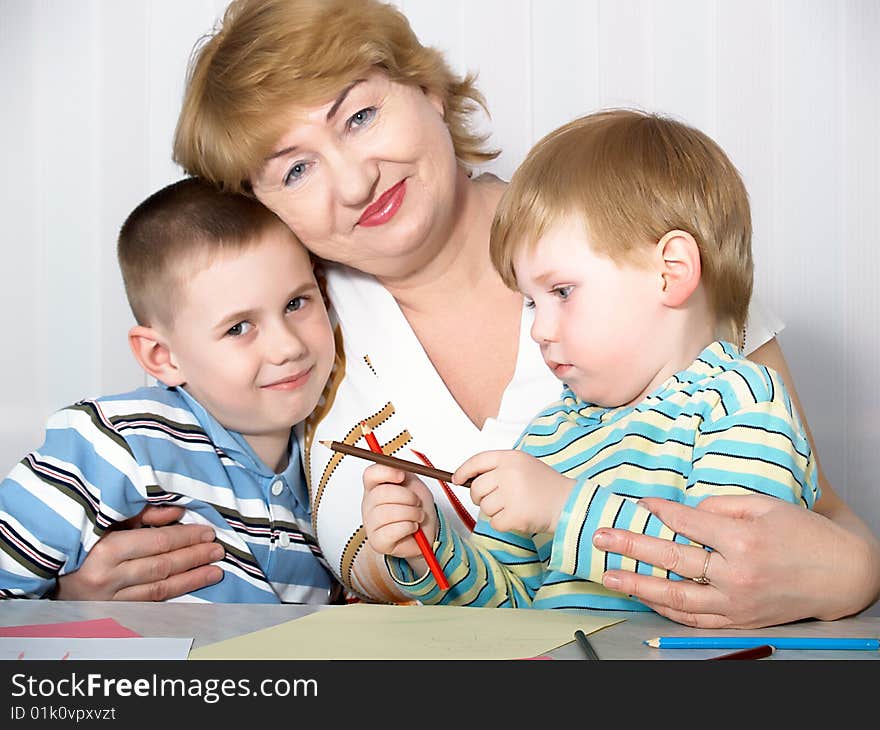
point(176, 232)
point(632, 177)
point(271, 56)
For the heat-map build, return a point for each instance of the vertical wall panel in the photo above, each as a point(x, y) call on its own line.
point(22, 362)
point(123, 158)
point(684, 60)
point(745, 100)
point(67, 115)
point(626, 53)
point(496, 41)
point(565, 62)
point(808, 201)
point(173, 30)
point(855, 243)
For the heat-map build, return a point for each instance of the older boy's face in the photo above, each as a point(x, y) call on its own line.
point(595, 319)
point(252, 338)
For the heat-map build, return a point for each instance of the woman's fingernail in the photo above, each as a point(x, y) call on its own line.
point(218, 553)
point(611, 581)
point(601, 539)
point(207, 535)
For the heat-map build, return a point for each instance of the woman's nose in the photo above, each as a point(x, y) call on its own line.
point(354, 178)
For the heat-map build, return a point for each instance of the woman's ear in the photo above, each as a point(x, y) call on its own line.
point(436, 101)
point(680, 268)
point(154, 356)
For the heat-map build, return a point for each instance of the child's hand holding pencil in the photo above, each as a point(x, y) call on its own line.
point(515, 491)
point(394, 506)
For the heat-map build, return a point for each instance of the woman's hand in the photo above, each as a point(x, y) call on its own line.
point(773, 562)
point(146, 565)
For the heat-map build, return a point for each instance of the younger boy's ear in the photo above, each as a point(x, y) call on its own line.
point(680, 268)
point(153, 355)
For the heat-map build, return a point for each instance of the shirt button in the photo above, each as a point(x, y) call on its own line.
point(277, 487)
point(284, 539)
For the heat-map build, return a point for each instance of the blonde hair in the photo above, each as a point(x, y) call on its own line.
point(184, 223)
point(632, 177)
point(269, 56)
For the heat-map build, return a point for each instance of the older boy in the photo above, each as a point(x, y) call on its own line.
point(621, 229)
point(231, 322)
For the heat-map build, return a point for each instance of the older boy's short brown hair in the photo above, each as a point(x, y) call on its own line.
point(269, 56)
point(632, 177)
point(178, 226)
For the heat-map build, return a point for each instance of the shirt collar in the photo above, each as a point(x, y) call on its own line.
point(293, 474)
point(706, 365)
point(234, 444)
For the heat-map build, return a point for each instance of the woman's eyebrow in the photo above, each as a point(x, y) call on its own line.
point(341, 98)
point(280, 153)
point(333, 109)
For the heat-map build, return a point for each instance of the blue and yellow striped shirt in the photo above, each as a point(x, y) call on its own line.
point(725, 425)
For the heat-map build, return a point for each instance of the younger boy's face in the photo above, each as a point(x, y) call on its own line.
point(595, 318)
point(252, 339)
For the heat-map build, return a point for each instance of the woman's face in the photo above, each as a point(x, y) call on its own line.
point(366, 179)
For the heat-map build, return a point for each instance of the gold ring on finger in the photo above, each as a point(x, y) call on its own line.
point(703, 580)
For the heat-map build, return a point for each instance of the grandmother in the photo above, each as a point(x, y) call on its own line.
point(334, 116)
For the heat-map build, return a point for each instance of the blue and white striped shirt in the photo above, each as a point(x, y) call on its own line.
point(724, 425)
point(103, 460)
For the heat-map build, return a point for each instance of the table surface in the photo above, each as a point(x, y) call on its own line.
point(209, 623)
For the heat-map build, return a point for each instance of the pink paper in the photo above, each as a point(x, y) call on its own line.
point(99, 628)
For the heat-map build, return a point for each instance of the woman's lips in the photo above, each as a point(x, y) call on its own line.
point(291, 382)
point(383, 210)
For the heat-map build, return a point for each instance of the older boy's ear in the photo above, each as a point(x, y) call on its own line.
point(680, 268)
point(153, 355)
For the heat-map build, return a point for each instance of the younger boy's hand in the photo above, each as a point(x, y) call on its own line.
point(394, 505)
point(516, 491)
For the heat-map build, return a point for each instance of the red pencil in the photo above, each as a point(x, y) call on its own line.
point(420, 537)
point(754, 652)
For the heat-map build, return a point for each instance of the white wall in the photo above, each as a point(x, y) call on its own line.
point(90, 92)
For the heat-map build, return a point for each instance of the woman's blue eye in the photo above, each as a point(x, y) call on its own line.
point(562, 291)
point(297, 170)
point(237, 330)
point(296, 303)
point(362, 117)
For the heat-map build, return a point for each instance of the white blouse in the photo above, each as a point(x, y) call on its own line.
point(384, 376)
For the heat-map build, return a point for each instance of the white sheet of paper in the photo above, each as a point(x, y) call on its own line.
point(16, 647)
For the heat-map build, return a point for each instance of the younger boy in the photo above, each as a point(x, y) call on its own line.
point(630, 236)
point(231, 322)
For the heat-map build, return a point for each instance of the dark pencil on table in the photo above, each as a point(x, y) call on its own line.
point(585, 644)
point(402, 464)
point(754, 652)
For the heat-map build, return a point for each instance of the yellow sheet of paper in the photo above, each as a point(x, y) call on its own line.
point(366, 631)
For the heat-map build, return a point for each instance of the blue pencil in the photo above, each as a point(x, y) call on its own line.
point(779, 642)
